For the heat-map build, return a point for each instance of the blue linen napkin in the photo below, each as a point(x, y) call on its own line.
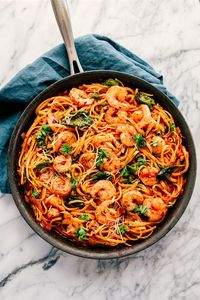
point(95, 52)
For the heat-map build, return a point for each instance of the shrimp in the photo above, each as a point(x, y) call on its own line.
point(111, 164)
point(80, 97)
point(87, 160)
point(106, 214)
point(55, 202)
point(142, 116)
point(101, 139)
point(156, 209)
point(114, 116)
point(104, 189)
point(54, 122)
point(65, 137)
point(126, 136)
point(148, 175)
point(62, 163)
point(61, 186)
point(53, 213)
point(131, 199)
point(115, 97)
point(157, 144)
point(73, 224)
point(132, 219)
point(45, 175)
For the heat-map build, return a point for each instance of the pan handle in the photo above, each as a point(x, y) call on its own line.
point(61, 13)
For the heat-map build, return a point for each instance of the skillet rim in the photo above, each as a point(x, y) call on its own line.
point(85, 251)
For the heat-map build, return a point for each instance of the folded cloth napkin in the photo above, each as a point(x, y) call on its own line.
point(95, 53)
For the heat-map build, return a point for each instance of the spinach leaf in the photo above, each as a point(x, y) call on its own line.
point(130, 180)
point(141, 209)
point(100, 155)
point(142, 98)
point(164, 173)
point(80, 119)
point(41, 136)
point(74, 201)
point(110, 82)
point(43, 165)
point(100, 176)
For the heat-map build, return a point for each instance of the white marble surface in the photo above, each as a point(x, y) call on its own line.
point(167, 35)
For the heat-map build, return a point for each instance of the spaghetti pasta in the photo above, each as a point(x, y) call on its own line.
point(102, 164)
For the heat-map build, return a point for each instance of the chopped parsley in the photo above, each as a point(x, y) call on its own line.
point(170, 204)
point(101, 154)
point(140, 141)
point(172, 127)
point(141, 161)
point(141, 209)
point(66, 149)
point(122, 229)
point(129, 170)
point(35, 194)
point(84, 217)
point(74, 182)
point(81, 233)
point(41, 136)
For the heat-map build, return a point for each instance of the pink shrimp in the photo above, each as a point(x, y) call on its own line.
point(80, 97)
point(62, 163)
point(156, 209)
point(148, 175)
point(65, 137)
point(126, 136)
point(116, 96)
point(60, 186)
point(142, 116)
point(104, 189)
point(114, 116)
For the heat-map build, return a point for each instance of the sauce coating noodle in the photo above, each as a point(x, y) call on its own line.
point(102, 164)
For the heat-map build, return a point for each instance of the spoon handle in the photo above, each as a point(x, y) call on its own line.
point(61, 13)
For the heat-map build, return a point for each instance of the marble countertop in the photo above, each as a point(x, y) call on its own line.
point(167, 35)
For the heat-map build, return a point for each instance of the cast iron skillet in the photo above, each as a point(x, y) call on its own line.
point(28, 116)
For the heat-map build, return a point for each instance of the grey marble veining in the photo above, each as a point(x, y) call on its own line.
point(167, 35)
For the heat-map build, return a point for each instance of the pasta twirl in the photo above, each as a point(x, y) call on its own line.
point(102, 163)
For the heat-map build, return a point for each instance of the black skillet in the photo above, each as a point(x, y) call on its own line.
point(78, 77)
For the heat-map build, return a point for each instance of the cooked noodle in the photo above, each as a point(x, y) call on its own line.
point(102, 164)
